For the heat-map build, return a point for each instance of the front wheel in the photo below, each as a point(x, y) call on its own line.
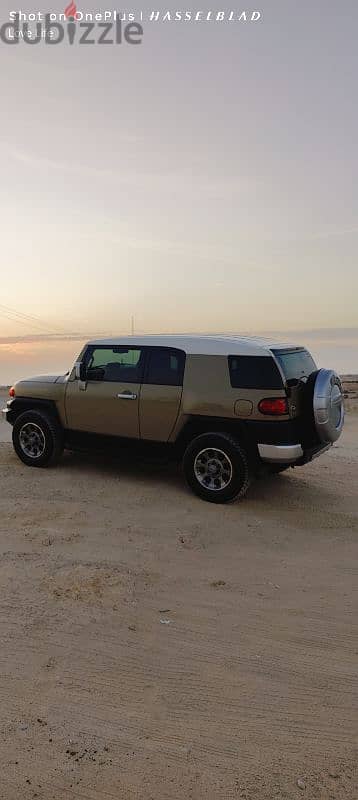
point(37, 438)
point(216, 467)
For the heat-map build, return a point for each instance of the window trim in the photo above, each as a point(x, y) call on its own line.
point(147, 350)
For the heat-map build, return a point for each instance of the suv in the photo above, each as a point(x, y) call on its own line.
point(227, 407)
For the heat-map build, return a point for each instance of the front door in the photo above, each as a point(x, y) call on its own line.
point(108, 401)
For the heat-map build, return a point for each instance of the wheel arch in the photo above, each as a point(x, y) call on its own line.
point(196, 425)
point(21, 404)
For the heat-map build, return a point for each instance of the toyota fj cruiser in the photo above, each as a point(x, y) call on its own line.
point(227, 407)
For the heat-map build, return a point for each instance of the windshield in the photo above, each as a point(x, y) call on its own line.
point(295, 364)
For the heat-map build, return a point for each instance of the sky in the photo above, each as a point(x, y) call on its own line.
point(205, 180)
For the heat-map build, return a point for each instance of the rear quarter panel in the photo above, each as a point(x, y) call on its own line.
point(207, 392)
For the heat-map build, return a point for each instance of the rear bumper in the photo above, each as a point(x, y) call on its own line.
point(280, 453)
point(290, 453)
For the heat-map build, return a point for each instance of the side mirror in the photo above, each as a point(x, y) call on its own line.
point(80, 371)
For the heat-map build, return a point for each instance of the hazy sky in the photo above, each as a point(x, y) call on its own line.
point(205, 180)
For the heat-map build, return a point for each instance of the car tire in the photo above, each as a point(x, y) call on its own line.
point(328, 406)
point(324, 408)
point(216, 467)
point(38, 439)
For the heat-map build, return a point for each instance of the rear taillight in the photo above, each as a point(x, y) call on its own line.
point(274, 406)
point(12, 392)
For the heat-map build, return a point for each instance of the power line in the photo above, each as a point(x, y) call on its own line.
point(23, 318)
point(30, 317)
point(26, 322)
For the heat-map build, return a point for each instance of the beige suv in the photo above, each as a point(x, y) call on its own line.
point(227, 407)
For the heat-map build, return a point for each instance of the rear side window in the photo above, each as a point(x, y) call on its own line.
point(295, 364)
point(165, 367)
point(254, 372)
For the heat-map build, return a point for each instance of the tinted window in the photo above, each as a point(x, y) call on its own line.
point(295, 364)
point(254, 372)
point(165, 367)
point(115, 364)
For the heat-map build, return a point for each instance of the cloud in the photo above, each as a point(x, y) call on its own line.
point(334, 232)
point(41, 162)
point(44, 337)
point(129, 175)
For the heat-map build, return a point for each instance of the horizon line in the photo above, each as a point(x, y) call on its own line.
point(77, 336)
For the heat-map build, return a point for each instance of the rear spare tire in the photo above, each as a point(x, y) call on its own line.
point(325, 401)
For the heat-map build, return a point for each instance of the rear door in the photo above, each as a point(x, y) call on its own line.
point(161, 393)
point(107, 402)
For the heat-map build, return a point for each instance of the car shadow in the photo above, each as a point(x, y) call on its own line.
point(124, 464)
point(293, 488)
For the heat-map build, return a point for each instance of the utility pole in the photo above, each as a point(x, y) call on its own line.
point(132, 326)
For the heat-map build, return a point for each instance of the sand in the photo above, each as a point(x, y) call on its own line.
point(157, 647)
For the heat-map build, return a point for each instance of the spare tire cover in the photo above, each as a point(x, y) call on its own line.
point(328, 408)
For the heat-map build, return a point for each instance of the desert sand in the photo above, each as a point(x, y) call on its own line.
point(156, 647)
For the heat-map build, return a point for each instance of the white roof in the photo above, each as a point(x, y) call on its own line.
point(200, 345)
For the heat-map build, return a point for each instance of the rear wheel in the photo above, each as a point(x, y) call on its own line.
point(216, 467)
point(37, 438)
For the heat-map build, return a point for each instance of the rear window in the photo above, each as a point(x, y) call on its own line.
point(254, 372)
point(165, 367)
point(295, 364)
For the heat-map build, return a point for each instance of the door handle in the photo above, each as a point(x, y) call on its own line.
point(127, 396)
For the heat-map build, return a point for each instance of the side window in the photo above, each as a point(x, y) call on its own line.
point(165, 367)
point(254, 372)
point(115, 364)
